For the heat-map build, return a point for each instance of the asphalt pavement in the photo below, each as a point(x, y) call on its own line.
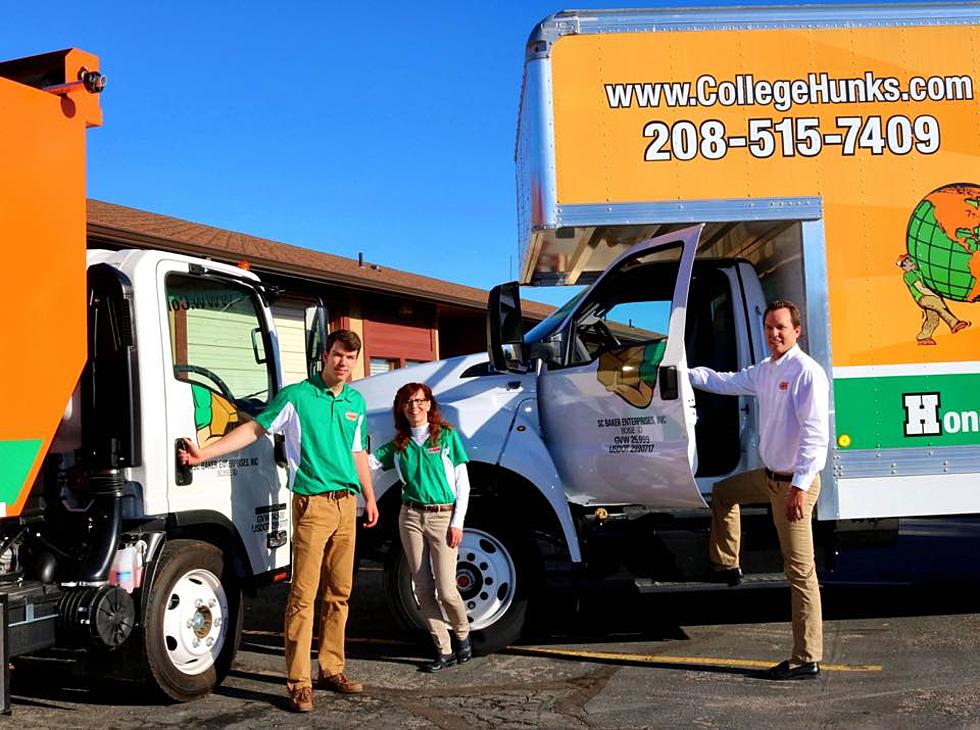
point(896, 656)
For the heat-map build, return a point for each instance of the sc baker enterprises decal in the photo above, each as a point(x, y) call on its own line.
point(790, 136)
point(632, 435)
point(230, 467)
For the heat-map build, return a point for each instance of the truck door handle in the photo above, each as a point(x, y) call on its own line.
point(668, 382)
point(183, 474)
point(279, 450)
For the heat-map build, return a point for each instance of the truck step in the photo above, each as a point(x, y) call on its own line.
point(749, 582)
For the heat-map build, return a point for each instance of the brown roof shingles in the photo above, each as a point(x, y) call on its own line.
point(135, 228)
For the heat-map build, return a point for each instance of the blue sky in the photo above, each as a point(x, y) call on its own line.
point(386, 129)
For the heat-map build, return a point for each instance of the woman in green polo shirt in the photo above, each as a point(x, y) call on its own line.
point(431, 465)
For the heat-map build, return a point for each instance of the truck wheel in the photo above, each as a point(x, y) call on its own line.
point(193, 620)
point(493, 576)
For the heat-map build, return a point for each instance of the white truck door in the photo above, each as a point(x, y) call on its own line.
point(617, 409)
point(222, 372)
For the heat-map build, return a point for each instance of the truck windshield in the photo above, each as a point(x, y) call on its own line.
point(544, 329)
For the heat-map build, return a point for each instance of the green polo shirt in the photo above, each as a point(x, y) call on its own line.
point(910, 278)
point(322, 430)
point(427, 472)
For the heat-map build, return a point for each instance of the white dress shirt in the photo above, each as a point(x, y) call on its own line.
point(794, 404)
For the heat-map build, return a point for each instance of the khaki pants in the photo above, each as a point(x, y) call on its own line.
point(433, 566)
point(324, 528)
point(934, 308)
point(795, 542)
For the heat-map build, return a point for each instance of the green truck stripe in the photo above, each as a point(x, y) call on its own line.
point(16, 459)
point(907, 411)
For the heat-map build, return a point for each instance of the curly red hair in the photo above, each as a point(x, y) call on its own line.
point(403, 429)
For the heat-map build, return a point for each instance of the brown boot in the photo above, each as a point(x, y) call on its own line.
point(340, 683)
point(301, 699)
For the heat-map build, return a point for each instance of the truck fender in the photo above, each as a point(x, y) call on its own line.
point(524, 452)
point(217, 529)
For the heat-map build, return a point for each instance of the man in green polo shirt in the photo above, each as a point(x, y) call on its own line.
point(324, 423)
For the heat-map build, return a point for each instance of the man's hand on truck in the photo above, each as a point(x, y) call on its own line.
point(245, 434)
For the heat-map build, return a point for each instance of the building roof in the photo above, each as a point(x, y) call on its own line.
point(117, 225)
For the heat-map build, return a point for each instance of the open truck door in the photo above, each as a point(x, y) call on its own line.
point(616, 406)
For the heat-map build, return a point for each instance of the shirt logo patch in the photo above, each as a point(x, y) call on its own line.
point(350, 416)
point(783, 385)
point(434, 449)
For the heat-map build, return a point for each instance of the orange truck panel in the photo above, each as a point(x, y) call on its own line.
point(42, 210)
point(601, 151)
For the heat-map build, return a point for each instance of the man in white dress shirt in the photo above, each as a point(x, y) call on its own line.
point(794, 397)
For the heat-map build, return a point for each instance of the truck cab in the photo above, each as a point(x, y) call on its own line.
point(589, 418)
point(122, 561)
point(203, 358)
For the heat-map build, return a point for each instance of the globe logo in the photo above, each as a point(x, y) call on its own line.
point(943, 259)
point(944, 241)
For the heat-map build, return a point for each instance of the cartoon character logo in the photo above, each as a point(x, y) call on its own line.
point(631, 372)
point(214, 416)
point(943, 258)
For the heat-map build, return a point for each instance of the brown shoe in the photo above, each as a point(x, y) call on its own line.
point(301, 699)
point(340, 683)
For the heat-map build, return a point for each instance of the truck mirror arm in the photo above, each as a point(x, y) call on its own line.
point(549, 351)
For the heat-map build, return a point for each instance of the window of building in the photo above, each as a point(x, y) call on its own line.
point(380, 365)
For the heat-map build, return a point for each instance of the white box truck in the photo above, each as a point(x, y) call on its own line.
point(686, 166)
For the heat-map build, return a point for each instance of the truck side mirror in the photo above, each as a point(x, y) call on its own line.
point(316, 336)
point(504, 327)
point(667, 380)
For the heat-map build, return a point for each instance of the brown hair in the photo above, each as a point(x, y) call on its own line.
point(403, 430)
point(348, 338)
point(794, 311)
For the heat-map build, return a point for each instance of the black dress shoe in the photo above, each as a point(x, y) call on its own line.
point(464, 649)
point(728, 576)
point(440, 662)
point(783, 670)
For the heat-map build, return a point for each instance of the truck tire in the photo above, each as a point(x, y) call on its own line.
point(193, 620)
point(494, 576)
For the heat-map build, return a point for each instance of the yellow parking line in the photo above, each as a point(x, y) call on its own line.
point(350, 639)
point(703, 661)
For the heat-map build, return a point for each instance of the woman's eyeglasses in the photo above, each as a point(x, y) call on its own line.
point(418, 402)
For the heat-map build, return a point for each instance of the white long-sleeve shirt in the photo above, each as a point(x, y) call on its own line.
point(794, 410)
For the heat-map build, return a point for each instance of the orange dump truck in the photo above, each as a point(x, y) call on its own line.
point(114, 559)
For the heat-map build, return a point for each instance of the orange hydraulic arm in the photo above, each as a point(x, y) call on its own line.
point(46, 104)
